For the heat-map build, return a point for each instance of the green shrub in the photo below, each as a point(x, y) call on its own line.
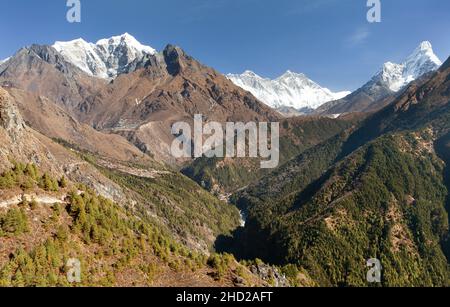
point(15, 222)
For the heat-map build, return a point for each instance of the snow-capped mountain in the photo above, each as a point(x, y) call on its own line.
point(105, 59)
point(397, 76)
point(391, 79)
point(291, 90)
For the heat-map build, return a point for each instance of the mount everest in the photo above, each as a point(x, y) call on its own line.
point(291, 90)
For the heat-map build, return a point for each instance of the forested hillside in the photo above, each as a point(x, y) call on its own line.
point(379, 191)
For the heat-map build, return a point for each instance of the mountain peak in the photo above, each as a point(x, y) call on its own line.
point(126, 36)
point(396, 76)
point(173, 55)
point(125, 39)
point(423, 53)
point(291, 74)
point(425, 45)
point(107, 58)
point(291, 90)
point(78, 41)
point(249, 73)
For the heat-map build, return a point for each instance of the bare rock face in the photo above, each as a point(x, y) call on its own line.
point(41, 70)
point(270, 274)
point(10, 118)
point(173, 56)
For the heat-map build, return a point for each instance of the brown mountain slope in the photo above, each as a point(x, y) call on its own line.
point(44, 221)
point(46, 88)
point(56, 122)
point(18, 142)
point(175, 203)
point(141, 105)
point(381, 190)
point(43, 71)
point(171, 87)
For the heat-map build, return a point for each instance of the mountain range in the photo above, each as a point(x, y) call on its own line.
point(291, 90)
point(379, 188)
point(292, 93)
point(107, 58)
point(295, 92)
point(86, 170)
point(140, 104)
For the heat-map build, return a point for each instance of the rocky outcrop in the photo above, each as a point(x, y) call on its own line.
point(172, 56)
point(10, 118)
point(43, 71)
point(270, 275)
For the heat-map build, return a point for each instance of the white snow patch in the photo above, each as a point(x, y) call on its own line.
point(4, 61)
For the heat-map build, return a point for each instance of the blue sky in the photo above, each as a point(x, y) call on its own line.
point(328, 40)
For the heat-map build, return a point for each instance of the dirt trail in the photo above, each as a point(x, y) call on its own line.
point(41, 199)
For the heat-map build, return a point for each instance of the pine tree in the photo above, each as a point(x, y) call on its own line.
point(48, 183)
point(15, 222)
point(7, 180)
point(63, 182)
point(18, 280)
point(32, 171)
point(27, 183)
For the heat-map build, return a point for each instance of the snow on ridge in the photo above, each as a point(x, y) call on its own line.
point(297, 91)
point(396, 76)
point(4, 61)
point(293, 90)
point(83, 55)
point(127, 39)
point(106, 58)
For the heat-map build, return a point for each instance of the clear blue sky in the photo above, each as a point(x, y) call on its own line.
point(329, 40)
